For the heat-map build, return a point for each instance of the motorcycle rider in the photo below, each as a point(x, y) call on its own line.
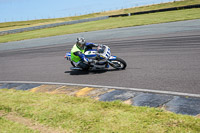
point(77, 53)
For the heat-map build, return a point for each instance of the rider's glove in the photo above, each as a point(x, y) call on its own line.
point(100, 45)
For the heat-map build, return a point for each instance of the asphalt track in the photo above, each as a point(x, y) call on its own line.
point(166, 60)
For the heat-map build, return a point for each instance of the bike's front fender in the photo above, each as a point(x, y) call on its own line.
point(112, 58)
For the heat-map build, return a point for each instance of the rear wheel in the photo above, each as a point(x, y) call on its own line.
point(118, 63)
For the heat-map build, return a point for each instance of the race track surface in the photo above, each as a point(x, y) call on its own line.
point(169, 61)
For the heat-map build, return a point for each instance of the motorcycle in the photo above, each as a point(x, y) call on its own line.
point(100, 58)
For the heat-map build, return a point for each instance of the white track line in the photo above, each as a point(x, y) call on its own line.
point(111, 87)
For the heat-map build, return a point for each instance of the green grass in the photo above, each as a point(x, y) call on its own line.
point(110, 23)
point(87, 115)
point(23, 24)
point(7, 126)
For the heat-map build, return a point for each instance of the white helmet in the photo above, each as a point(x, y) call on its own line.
point(80, 42)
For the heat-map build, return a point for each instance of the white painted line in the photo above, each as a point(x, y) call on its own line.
point(110, 87)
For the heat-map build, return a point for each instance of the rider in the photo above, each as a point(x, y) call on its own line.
point(77, 53)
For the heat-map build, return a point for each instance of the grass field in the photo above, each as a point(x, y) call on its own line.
point(23, 24)
point(63, 113)
point(7, 126)
point(110, 23)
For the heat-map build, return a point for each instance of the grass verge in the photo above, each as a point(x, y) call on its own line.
point(8, 126)
point(73, 114)
point(110, 23)
point(23, 24)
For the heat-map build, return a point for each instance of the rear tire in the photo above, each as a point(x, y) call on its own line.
point(119, 63)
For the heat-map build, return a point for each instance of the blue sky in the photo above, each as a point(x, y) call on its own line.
point(20, 10)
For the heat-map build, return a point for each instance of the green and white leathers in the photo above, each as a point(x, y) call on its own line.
point(74, 49)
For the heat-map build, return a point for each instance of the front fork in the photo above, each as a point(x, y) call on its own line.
point(112, 64)
point(110, 60)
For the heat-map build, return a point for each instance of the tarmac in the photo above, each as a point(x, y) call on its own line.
point(186, 105)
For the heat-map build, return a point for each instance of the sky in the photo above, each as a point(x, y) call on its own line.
point(22, 10)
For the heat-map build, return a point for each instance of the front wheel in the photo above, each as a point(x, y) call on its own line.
point(118, 63)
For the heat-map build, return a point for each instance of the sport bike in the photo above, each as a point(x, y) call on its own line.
point(100, 58)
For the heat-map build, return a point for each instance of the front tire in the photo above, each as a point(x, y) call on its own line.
point(118, 63)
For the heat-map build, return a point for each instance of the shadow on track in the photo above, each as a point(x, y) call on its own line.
point(90, 72)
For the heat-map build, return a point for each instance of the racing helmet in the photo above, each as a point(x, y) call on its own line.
point(80, 42)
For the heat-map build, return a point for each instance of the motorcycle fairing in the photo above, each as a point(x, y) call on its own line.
point(90, 53)
point(112, 58)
